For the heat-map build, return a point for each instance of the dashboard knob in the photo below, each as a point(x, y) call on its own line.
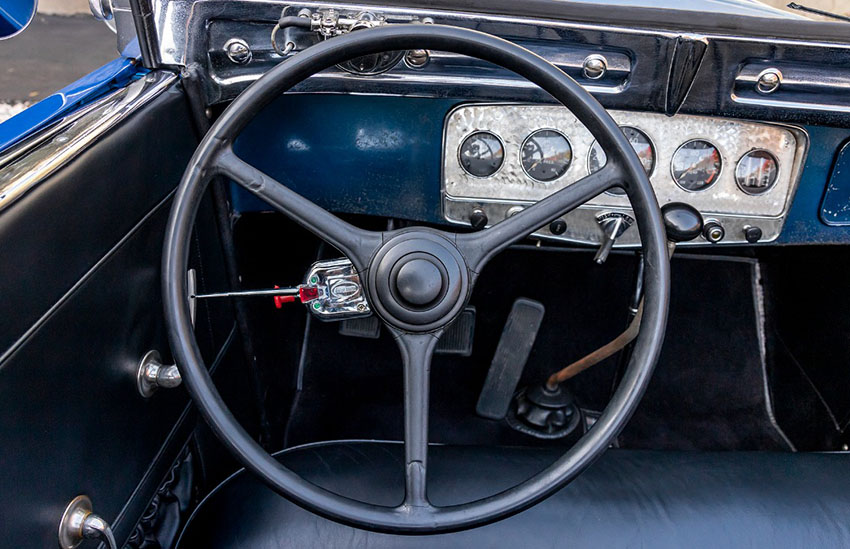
point(713, 232)
point(752, 234)
point(558, 227)
point(682, 221)
point(478, 219)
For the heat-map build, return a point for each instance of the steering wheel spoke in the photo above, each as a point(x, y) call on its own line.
point(357, 244)
point(417, 351)
point(479, 247)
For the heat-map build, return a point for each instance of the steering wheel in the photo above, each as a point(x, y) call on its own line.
point(416, 279)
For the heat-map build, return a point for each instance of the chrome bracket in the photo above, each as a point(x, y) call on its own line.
point(339, 290)
point(329, 23)
point(153, 374)
point(79, 523)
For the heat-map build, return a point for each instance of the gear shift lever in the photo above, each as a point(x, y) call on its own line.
point(683, 222)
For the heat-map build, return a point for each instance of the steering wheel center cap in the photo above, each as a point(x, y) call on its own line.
point(418, 281)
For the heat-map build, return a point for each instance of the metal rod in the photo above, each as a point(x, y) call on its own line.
point(146, 31)
point(249, 293)
point(195, 97)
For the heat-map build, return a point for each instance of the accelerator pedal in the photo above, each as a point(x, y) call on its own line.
point(512, 353)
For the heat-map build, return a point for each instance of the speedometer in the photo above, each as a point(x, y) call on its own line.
point(546, 155)
point(639, 141)
point(696, 165)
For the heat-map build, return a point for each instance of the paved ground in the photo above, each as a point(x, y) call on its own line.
point(52, 53)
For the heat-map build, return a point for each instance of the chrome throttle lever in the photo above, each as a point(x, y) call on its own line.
point(331, 291)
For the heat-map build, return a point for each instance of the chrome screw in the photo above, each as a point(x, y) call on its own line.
point(768, 81)
point(238, 51)
point(513, 210)
point(595, 66)
point(417, 58)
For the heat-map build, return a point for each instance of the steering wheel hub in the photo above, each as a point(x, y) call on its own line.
point(418, 281)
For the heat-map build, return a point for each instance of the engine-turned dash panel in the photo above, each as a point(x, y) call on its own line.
point(500, 158)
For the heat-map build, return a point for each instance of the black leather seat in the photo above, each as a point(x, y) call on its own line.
point(627, 499)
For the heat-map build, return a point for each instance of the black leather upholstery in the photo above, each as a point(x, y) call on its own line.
point(628, 498)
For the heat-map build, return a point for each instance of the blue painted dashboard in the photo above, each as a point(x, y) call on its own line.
point(382, 155)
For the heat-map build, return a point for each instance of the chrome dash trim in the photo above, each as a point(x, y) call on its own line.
point(26, 165)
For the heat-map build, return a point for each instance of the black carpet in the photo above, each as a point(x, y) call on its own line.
point(708, 391)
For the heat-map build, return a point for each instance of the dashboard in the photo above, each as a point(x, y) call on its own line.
point(747, 123)
point(500, 158)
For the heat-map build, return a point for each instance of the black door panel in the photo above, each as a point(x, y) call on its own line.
point(56, 233)
point(80, 279)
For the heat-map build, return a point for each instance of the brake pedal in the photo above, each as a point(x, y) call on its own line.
point(366, 327)
point(458, 336)
point(512, 353)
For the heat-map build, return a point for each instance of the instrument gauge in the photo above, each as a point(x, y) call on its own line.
point(481, 154)
point(696, 165)
point(756, 172)
point(546, 155)
point(639, 141)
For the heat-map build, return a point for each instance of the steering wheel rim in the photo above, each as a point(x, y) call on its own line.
point(214, 156)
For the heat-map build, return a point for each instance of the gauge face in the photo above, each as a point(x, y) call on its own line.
point(696, 165)
point(640, 143)
point(546, 155)
point(481, 154)
point(370, 65)
point(756, 172)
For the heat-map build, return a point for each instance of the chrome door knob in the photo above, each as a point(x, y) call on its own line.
point(153, 374)
point(79, 523)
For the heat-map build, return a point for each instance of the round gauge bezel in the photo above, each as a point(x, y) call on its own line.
point(775, 180)
point(652, 147)
point(719, 172)
point(460, 148)
point(569, 164)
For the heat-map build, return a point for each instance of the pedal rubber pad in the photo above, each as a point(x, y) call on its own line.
point(512, 353)
point(368, 327)
point(458, 336)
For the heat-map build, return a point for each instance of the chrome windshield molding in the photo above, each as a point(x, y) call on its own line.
point(193, 33)
point(26, 165)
